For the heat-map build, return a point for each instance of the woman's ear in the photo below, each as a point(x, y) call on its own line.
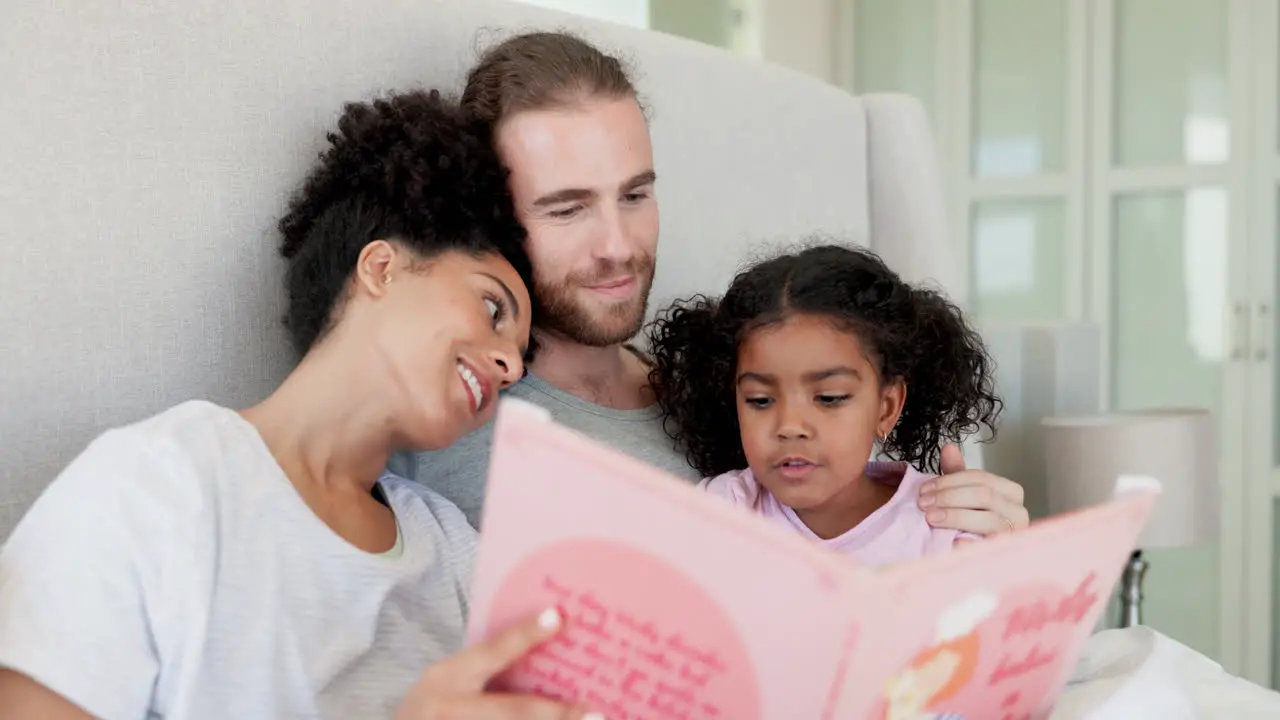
point(893, 396)
point(375, 267)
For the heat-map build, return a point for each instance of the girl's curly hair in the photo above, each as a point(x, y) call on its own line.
point(411, 167)
point(912, 333)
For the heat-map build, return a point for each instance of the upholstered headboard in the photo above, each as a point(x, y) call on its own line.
point(146, 149)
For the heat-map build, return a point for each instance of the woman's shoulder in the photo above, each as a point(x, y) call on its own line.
point(186, 416)
point(181, 438)
point(161, 464)
point(186, 420)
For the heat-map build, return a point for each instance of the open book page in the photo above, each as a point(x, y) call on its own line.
point(993, 629)
point(678, 605)
point(682, 606)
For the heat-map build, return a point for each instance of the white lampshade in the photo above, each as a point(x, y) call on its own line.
point(1085, 454)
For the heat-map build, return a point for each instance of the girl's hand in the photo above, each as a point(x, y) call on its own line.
point(972, 501)
point(454, 688)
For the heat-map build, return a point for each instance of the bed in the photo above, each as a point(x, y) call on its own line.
point(147, 148)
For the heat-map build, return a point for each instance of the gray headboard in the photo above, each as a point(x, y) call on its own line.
point(146, 149)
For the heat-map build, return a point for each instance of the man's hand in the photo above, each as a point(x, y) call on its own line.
point(972, 501)
point(455, 687)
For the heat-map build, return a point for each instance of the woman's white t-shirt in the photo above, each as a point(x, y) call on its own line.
point(172, 571)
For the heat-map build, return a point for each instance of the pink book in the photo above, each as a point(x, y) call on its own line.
point(681, 606)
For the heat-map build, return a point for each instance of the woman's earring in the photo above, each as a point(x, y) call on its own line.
point(386, 280)
point(882, 436)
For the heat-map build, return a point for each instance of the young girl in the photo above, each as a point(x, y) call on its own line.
point(781, 390)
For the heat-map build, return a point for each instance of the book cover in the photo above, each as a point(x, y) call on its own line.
point(679, 605)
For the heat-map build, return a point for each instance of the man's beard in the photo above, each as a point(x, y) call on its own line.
point(561, 314)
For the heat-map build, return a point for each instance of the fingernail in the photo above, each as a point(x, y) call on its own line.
point(927, 501)
point(928, 487)
point(935, 516)
point(549, 619)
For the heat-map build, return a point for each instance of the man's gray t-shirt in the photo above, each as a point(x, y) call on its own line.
point(460, 472)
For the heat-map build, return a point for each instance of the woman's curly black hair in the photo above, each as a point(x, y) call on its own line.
point(912, 333)
point(410, 167)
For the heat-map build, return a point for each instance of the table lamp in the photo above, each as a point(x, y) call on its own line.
point(1085, 454)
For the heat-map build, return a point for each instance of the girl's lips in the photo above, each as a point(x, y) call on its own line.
point(795, 468)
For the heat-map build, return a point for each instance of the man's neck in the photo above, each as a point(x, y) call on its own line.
point(612, 376)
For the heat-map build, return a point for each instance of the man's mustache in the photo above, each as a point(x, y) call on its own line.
point(606, 271)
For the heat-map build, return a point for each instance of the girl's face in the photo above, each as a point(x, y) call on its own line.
point(449, 333)
point(810, 406)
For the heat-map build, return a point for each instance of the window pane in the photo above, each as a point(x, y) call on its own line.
point(710, 21)
point(1170, 90)
point(1275, 366)
point(1169, 344)
point(1275, 593)
point(1017, 261)
point(634, 13)
point(1170, 299)
point(1020, 86)
point(893, 48)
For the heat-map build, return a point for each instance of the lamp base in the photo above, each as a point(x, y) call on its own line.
point(1131, 590)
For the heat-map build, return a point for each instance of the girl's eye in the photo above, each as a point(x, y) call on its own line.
point(832, 399)
point(759, 402)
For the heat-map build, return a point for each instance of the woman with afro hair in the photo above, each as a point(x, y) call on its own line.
point(781, 390)
point(210, 562)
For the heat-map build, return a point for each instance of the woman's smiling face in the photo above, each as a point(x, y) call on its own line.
point(450, 331)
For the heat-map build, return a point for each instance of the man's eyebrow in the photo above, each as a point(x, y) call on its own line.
point(564, 196)
point(648, 177)
point(506, 290)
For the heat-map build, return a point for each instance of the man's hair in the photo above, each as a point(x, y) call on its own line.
point(411, 168)
point(541, 71)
